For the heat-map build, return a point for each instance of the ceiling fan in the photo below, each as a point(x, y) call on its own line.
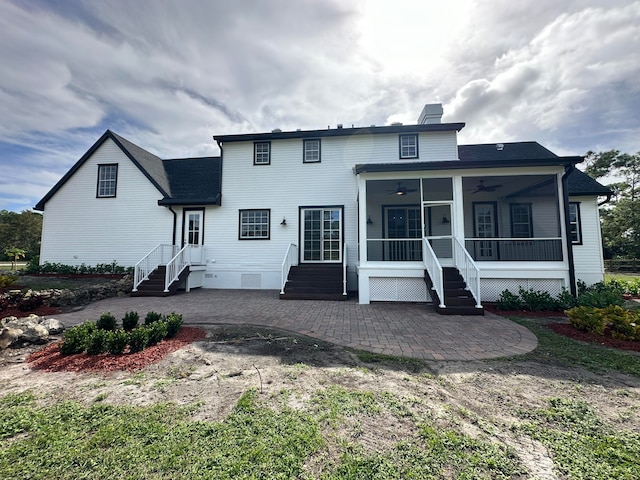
point(481, 187)
point(402, 190)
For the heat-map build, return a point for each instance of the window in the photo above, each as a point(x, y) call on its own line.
point(107, 179)
point(311, 152)
point(254, 224)
point(575, 229)
point(521, 224)
point(408, 146)
point(262, 153)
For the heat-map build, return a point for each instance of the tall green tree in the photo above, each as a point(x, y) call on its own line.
point(20, 230)
point(621, 217)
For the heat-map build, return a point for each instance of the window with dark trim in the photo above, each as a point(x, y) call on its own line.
point(575, 227)
point(107, 180)
point(408, 146)
point(262, 153)
point(521, 221)
point(311, 151)
point(254, 224)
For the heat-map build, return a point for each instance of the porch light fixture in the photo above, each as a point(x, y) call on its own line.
point(369, 221)
point(283, 222)
point(445, 220)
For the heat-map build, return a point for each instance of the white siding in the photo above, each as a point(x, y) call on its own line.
point(283, 186)
point(587, 257)
point(80, 228)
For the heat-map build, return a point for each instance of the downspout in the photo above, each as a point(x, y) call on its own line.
point(567, 228)
point(175, 223)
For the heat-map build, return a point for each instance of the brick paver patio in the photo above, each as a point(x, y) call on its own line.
point(404, 329)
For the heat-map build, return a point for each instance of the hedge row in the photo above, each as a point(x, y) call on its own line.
point(104, 335)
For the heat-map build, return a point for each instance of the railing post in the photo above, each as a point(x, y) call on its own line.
point(344, 270)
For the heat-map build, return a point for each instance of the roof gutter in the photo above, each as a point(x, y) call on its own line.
point(568, 168)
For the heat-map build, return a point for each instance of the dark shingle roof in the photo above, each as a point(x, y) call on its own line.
point(504, 151)
point(188, 181)
point(582, 184)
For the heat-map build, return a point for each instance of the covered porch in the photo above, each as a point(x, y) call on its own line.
point(499, 230)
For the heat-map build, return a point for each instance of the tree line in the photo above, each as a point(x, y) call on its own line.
point(20, 235)
point(620, 217)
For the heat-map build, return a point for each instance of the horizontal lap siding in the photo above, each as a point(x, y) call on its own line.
point(587, 257)
point(80, 228)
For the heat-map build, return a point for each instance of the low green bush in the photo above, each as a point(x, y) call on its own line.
point(117, 341)
point(587, 319)
point(174, 323)
point(76, 338)
point(508, 301)
point(97, 342)
point(601, 294)
point(106, 322)
point(6, 280)
point(138, 339)
point(62, 269)
point(622, 323)
point(152, 317)
point(157, 331)
point(536, 300)
point(565, 300)
point(130, 320)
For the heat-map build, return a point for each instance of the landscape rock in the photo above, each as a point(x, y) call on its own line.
point(17, 332)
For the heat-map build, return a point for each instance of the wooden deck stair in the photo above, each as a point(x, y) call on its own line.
point(314, 282)
point(457, 297)
point(154, 285)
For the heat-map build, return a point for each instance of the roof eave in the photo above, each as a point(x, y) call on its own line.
point(165, 202)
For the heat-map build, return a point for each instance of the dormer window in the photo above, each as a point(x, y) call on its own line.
point(409, 146)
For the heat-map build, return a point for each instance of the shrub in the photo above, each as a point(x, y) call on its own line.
point(130, 320)
point(601, 294)
point(157, 331)
point(76, 338)
point(587, 319)
point(97, 343)
point(508, 301)
point(537, 300)
point(565, 300)
point(6, 280)
point(621, 322)
point(174, 323)
point(117, 341)
point(106, 322)
point(138, 339)
point(34, 265)
point(152, 317)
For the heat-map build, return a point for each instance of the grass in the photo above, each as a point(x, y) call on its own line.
point(582, 445)
point(558, 349)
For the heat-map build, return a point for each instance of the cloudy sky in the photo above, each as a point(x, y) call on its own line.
point(168, 75)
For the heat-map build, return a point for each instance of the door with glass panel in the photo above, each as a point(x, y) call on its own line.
point(403, 229)
point(321, 234)
point(485, 226)
point(193, 234)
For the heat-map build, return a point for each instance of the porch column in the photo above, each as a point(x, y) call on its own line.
point(458, 208)
point(363, 280)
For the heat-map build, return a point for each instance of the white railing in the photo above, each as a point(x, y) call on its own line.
point(177, 264)
point(468, 269)
point(160, 255)
point(290, 259)
point(434, 269)
point(547, 249)
point(344, 269)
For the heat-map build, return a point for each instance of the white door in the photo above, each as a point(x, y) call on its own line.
point(321, 235)
point(193, 232)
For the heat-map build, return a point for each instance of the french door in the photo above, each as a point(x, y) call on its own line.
point(402, 224)
point(321, 234)
point(193, 233)
point(485, 226)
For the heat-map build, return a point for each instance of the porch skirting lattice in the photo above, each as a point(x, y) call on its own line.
point(491, 288)
point(392, 289)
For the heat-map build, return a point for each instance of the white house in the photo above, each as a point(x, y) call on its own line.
point(394, 213)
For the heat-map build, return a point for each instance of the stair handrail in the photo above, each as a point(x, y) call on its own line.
point(468, 269)
point(344, 270)
point(290, 260)
point(152, 260)
point(433, 267)
point(176, 265)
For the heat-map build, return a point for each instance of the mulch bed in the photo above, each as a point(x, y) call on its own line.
point(49, 358)
point(41, 311)
point(568, 330)
point(523, 313)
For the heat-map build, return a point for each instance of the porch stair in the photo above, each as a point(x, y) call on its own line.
point(314, 282)
point(457, 297)
point(154, 285)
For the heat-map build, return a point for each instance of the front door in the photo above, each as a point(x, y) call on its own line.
point(193, 233)
point(485, 226)
point(321, 234)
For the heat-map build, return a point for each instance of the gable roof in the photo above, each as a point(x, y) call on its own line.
point(166, 175)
